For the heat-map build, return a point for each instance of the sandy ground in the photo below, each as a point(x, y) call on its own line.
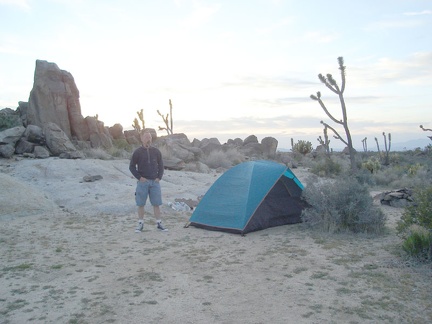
point(69, 254)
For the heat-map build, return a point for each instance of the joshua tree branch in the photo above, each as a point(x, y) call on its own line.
point(337, 136)
point(326, 111)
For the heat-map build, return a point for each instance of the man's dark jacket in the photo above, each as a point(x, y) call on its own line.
point(147, 163)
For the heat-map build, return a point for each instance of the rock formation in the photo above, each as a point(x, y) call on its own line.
point(55, 98)
point(51, 124)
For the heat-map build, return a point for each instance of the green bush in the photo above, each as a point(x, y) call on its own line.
point(372, 165)
point(302, 147)
point(122, 144)
point(418, 243)
point(420, 213)
point(341, 205)
point(9, 121)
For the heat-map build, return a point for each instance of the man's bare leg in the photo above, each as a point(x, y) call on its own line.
point(140, 225)
point(157, 215)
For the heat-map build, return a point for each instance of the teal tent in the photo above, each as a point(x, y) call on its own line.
point(251, 196)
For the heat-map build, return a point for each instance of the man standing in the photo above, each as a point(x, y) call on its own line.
point(147, 166)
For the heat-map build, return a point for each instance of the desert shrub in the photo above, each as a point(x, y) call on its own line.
point(417, 178)
point(298, 158)
point(217, 159)
point(412, 170)
point(364, 176)
point(234, 156)
point(419, 213)
point(122, 144)
point(302, 147)
point(120, 149)
point(386, 176)
point(326, 168)
point(9, 121)
point(372, 164)
point(97, 153)
point(418, 243)
point(119, 153)
point(341, 205)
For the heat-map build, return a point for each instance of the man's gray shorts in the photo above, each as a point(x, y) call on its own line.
point(148, 188)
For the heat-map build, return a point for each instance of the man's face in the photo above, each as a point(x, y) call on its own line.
point(146, 139)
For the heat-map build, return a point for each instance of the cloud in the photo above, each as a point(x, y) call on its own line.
point(392, 24)
point(262, 81)
point(21, 4)
point(414, 69)
point(418, 13)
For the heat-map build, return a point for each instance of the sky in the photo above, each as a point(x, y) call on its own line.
point(232, 68)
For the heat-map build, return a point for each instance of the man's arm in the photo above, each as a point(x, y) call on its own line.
point(133, 167)
point(160, 166)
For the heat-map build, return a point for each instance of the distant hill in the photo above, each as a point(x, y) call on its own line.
point(411, 145)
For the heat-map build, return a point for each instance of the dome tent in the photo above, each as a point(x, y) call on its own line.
point(251, 196)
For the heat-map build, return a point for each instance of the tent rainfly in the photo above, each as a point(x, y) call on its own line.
point(249, 197)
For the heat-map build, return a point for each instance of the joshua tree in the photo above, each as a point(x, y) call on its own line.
point(136, 124)
point(364, 142)
point(331, 83)
point(168, 127)
point(426, 129)
point(325, 142)
point(384, 156)
point(141, 117)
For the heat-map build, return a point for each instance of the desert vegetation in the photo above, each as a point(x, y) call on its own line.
point(331, 84)
point(341, 202)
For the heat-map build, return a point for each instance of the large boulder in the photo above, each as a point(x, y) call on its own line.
point(41, 152)
point(11, 135)
point(209, 145)
point(116, 132)
point(57, 140)
point(269, 147)
point(34, 134)
point(99, 134)
point(7, 150)
point(22, 110)
point(55, 99)
point(237, 142)
point(177, 147)
point(251, 139)
point(132, 137)
point(24, 146)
